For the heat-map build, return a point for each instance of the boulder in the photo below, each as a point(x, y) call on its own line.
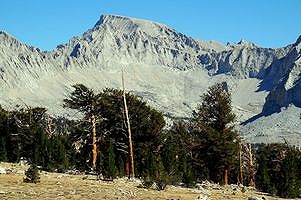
point(2, 170)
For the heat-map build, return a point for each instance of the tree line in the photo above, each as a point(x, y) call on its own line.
point(205, 147)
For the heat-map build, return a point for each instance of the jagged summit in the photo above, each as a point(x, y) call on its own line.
point(10, 42)
point(298, 40)
point(243, 42)
point(110, 19)
point(5, 35)
point(129, 25)
point(167, 68)
point(113, 19)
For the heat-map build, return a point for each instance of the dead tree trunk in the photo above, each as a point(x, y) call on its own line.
point(94, 150)
point(251, 176)
point(240, 176)
point(131, 154)
point(49, 130)
point(226, 175)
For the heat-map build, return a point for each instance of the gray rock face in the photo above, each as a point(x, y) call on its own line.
point(285, 74)
point(168, 69)
point(121, 40)
point(246, 60)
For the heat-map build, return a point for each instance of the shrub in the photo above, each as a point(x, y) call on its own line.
point(147, 183)
point(160, 178)
point(32, 175)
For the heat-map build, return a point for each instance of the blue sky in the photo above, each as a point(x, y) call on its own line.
point(45, 24)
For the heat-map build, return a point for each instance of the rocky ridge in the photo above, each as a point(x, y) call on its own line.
point(167, 68)
point(287, 85)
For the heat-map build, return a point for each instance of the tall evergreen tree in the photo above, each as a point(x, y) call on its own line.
point(22, 126)
point(218, 138)
point(109, 167)
point(146, 126)
point(13, 140)
point(178, 155)
point(3, 151)
point(269, 163)
point(263, 179)
point(86, 101)
point(3, 134)
point(290, 186)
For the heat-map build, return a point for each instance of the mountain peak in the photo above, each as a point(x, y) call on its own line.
point(109, 19)
point(298, 40)
point(5, 34)
point(104, 19)
point(121, 21)
point(243, 42)
point(6, 37)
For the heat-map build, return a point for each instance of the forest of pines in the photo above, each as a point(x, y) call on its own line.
point(205, 147)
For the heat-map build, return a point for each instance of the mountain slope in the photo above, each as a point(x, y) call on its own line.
point(168, 69)
point(287, 89)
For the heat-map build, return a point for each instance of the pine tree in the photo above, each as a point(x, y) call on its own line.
point(161, 177)
point(3, 134)
point(218, 139)
point(170, 159)
point(188, 173)
point(109, 161)
point(146, 126)
point(177, 153)
point(262, 176)
point(271, 170)
point(290, 186)
point(86, 101)
point(59, 154)
point(150, 165)
point(3, 152)
point(13, 140)
point(156, 173)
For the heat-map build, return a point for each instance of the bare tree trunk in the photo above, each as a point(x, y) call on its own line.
point(132, 169)
point(240, 177)
point(49, 130)
point(94, 150)
point(226, 176)
point(251, 166)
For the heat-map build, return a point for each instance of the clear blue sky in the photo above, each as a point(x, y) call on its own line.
point(47, 23)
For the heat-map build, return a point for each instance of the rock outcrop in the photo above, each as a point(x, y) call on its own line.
point(285, 74)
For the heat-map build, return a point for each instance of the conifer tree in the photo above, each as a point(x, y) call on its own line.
point(177, 152)
point(146, 126)
point(22, 125)
point(86, 101)
point(3, 152)
point(3, 134)
point(108, 166)
point(290, 186)
point(59, 154)
point(218, 138)
point(269, 163)
point(13, 140)
point(263, 177)
point(188, 173)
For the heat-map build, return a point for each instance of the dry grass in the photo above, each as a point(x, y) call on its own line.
point(62, 186)
point(74, 187)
